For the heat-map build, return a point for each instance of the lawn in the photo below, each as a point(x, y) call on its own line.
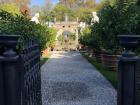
point(109, 75)
point(45, 58)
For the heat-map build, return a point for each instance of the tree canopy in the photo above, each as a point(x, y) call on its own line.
point(72, 8)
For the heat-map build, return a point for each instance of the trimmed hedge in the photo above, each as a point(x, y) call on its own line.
point(21, 25)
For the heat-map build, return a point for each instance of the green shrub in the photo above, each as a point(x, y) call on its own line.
point(10, 8)
point(128, 13)
point(60, 39)
point(20, 25)
point(121, 18)
point(86, 37)
point(51, 37)
point(96, 42)
point(108, 33)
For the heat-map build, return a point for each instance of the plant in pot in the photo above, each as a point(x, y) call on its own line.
point(129, 29)
point(96, 42)
point(108, 33)
point(85, 38)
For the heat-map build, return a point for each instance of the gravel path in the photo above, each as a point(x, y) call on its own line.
point(68, 79)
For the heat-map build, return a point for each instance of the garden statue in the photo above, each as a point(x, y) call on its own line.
point(36, 18)
point(95, 18)
point(82, 26)
point(55, 20)
point(66, 18)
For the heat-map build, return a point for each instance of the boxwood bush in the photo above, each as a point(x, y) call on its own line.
point(21, 25)
point(119, 18)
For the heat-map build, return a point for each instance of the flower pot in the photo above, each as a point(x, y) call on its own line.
point(45, 52)
point(9, 41)
point(129, 42)
point(110, 61)
point(98, 56)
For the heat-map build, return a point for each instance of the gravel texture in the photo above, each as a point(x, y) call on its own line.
point(69, 79)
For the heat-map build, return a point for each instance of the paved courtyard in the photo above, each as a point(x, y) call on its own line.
point(69, 79)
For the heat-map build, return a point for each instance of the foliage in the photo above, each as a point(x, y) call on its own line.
point(72, 37)
point(91, 37)
point(45, 14)
point(51, 37)
point(96, 39)
point(71, 8)
point(128, 17)
point(84, 15)
point(60, 38)
point(107, 25)
point(20, 25)
point(120, 18)
point(78, 3)
point(86, 37)
point(11, 8)
point(59, 12)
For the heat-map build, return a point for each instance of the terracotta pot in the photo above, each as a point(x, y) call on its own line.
point(110, 61)
point(98, 56)
point(45, 52)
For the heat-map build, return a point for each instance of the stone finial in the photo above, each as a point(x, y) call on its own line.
point(36, 18)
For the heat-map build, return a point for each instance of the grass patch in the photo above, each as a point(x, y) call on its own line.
point(110, 75)
point(45, 58)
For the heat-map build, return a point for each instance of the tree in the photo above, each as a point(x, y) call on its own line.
point(68, 3)
point(21, 2)
point(35, 9)
point(59, 11)
point(77, 8)
point(11, 8)
point(78, 3)
point(46, 12)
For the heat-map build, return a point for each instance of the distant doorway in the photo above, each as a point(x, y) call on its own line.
point(66, 41)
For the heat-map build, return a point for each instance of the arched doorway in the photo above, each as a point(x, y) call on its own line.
point(66, 41)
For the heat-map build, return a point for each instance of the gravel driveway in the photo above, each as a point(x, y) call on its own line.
point(69, 79)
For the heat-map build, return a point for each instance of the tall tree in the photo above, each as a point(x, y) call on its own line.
point(11, 8)
point(78, 3)
point(60, 11)
point(46, 14)
point(35, 9)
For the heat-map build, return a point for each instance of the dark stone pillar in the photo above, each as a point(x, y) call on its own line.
point(10, 71)
point(128, 80)
point(128, 71)
point(12, 79)
point(1, 83)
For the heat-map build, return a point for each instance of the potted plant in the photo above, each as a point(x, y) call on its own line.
point(96, 42)
point(128, 30)
point(108, 36)
point(129, 34)
point(123, 18)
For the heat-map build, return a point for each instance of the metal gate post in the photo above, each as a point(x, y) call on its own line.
point(128, 71)
point(10, 70)
point(12, 79)
point(1, 83)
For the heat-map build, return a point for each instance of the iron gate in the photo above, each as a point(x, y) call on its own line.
point(20, 76)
